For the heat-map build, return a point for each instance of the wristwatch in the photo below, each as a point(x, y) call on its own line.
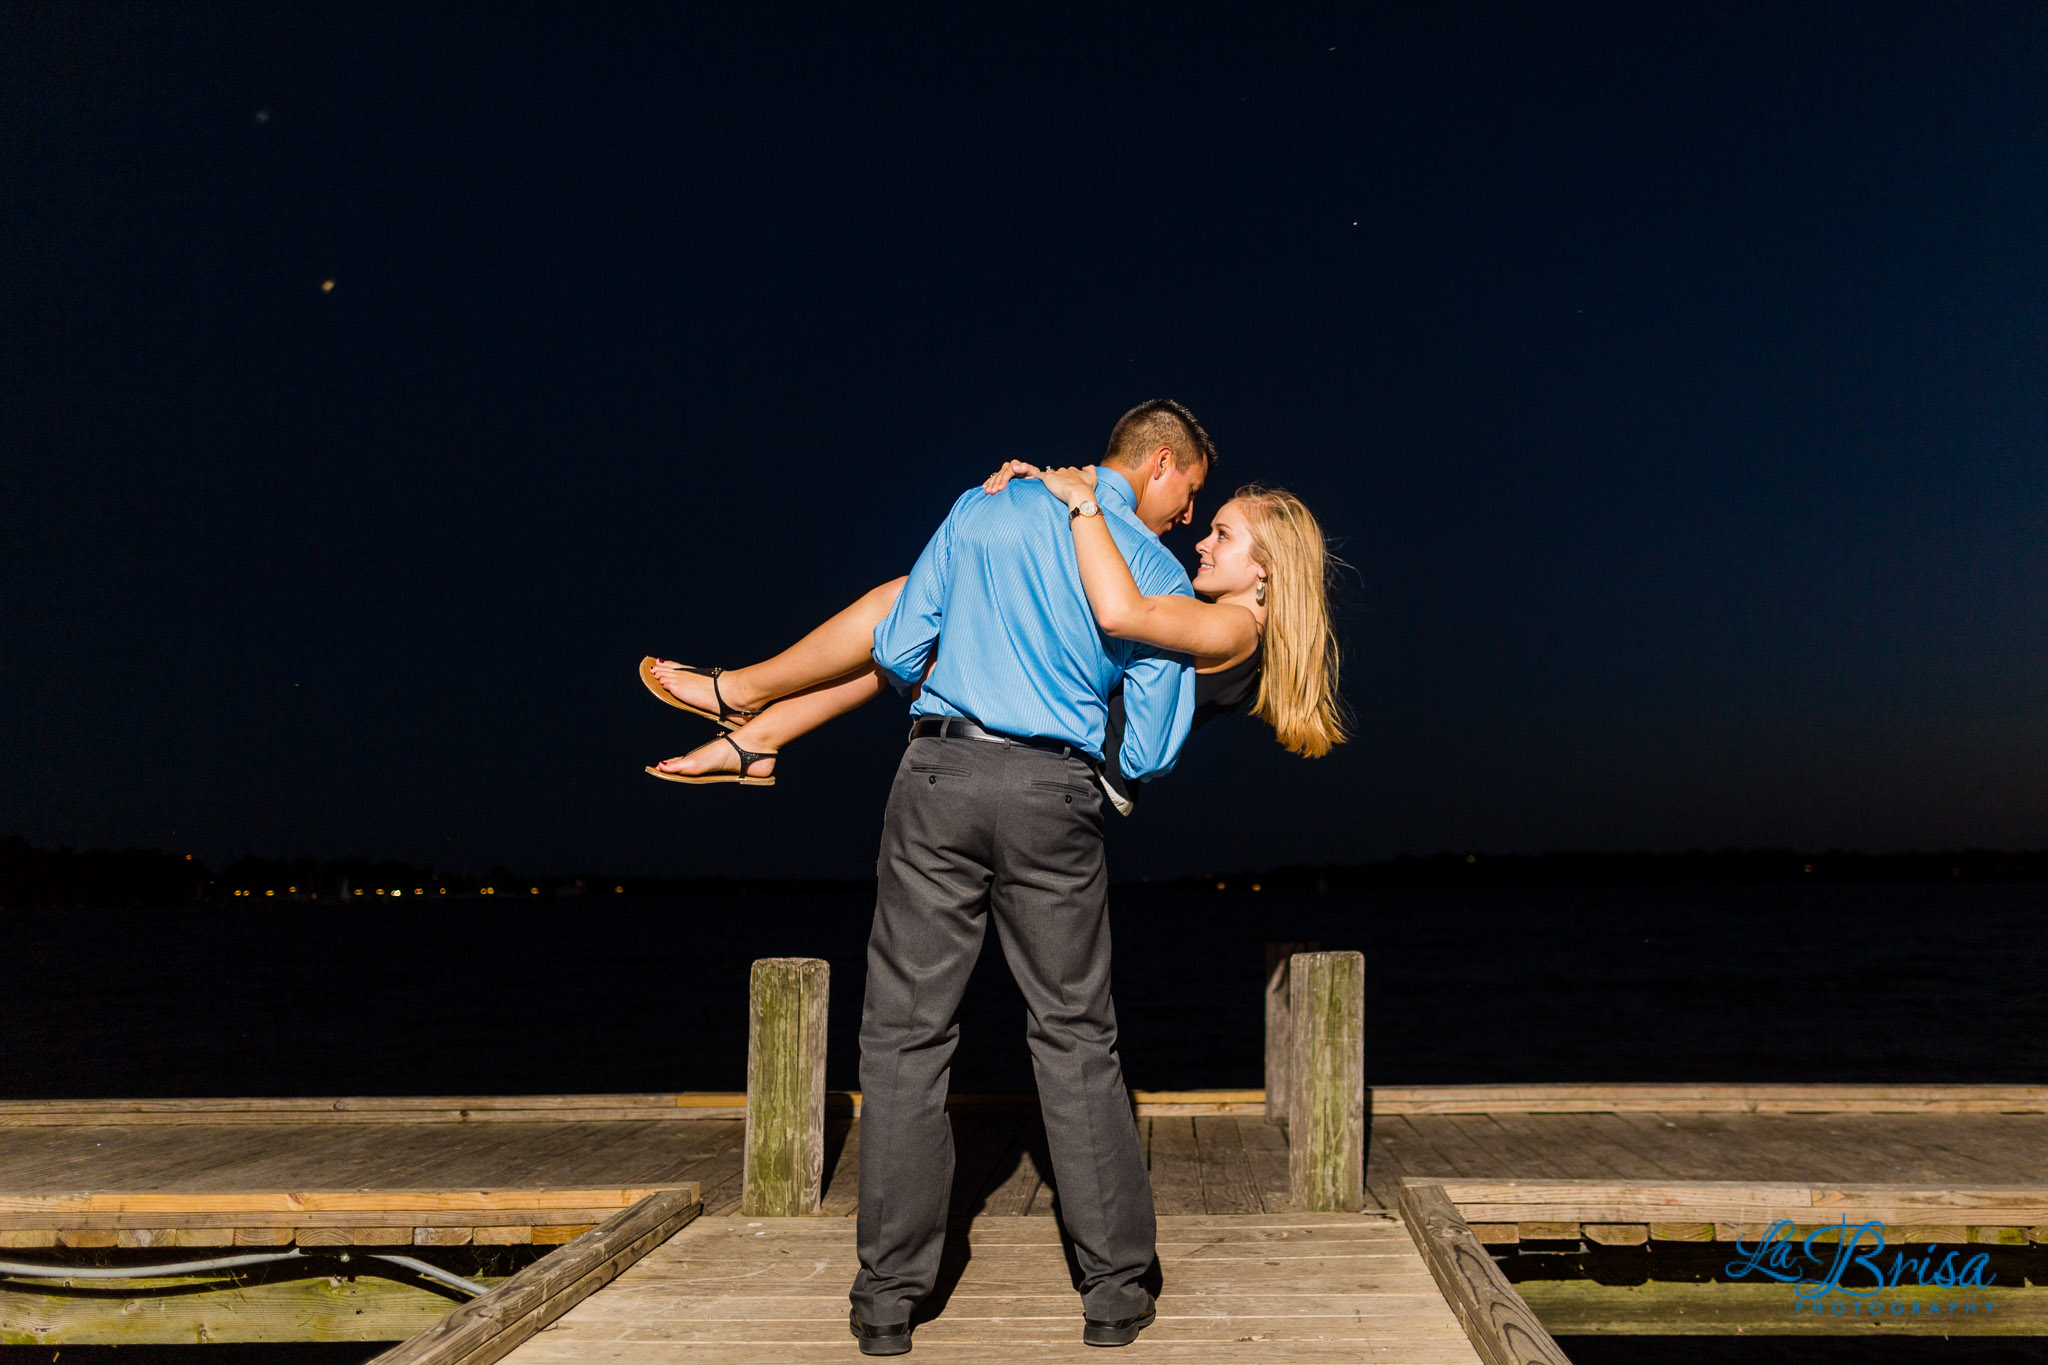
point(1084, 508)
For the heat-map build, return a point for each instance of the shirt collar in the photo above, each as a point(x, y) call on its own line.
point(1111, 487)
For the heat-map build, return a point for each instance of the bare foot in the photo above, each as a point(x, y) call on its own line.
point(717, 757)
point(697, 690)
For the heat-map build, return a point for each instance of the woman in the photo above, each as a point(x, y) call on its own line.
point(1262, 635)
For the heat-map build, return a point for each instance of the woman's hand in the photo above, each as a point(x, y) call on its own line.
point(1070, 485)
point(1011, 469)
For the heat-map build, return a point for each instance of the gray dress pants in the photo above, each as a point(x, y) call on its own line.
point(978, 831)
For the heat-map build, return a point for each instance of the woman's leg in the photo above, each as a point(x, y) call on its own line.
point(781, 723)
point(836, 651)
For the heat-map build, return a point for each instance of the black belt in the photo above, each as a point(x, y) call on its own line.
point(953, 727)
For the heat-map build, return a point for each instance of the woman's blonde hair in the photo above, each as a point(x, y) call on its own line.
point(1298, 687)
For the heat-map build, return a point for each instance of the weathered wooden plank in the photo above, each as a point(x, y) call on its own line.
point(509, 1236)
point(1524, 1156)
point(1690, 1146)
point(1397, 1145)
point(1048, 1344)
point(177, 1237)
point(1190, 1103)
point(1326, 1127)
point(991, 1233)
point(690, 1106)
point(125, 1226)
point(244, 1237)
point(1681, 1232)
point(784, 1166)
point(1567, 1231)
point(1617, 1234)
point(1455, 1140)
point(1176, 1169)
point(308, 1204)
point(1580, 1144)
point(101, 1237)
point(1265, 1150)
point(1650, 1158)
point(1671, 1308)
point(487, 1328)
point(357, 1157)
point(1279, 1035)
point(1998, 1236)
point(1738, 1099)
point(1227, 1183)
point(1502, 1328)
point(1743, 1202)
point(441, 1237)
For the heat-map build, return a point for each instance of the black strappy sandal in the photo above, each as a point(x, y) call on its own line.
point(731, 717)
point(747, 761)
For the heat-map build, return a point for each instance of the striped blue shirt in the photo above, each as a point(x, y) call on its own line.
point(998, 591)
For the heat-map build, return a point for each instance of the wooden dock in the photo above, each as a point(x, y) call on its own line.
point(1312, 1220)
point(1249, 1288)
point(1649, 1172)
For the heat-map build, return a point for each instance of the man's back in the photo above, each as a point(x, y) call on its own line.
point(999, 592)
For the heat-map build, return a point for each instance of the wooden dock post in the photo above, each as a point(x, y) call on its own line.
point(1279, 1032)
point(1326, 1108)
point(784, 1163)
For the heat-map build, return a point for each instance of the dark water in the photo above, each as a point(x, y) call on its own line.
point(503, 996)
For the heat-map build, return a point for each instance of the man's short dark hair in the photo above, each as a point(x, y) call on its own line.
point(1160, 422)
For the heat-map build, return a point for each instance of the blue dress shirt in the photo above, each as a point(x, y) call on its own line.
point(998, 591)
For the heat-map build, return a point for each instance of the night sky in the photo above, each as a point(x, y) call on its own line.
point(1675, 382)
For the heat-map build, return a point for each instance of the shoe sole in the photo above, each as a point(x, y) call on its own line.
point(874, 1346)
point(1092, 1335)
point(705, 779)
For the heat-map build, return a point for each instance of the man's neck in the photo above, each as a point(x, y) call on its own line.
point(1129, 496)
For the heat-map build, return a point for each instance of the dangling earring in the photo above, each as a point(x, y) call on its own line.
point(1260, 595)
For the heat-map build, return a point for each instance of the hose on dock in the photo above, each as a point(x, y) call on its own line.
point(28, 1271)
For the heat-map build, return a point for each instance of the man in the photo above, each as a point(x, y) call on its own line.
point(995, 813)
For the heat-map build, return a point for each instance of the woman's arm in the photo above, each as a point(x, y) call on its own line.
point(1215, 634)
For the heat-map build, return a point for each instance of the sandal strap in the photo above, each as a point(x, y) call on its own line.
point(724, 710)
point(747, 760)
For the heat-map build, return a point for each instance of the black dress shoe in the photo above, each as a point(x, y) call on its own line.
point(1122, 1332)
point(892, 1340)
